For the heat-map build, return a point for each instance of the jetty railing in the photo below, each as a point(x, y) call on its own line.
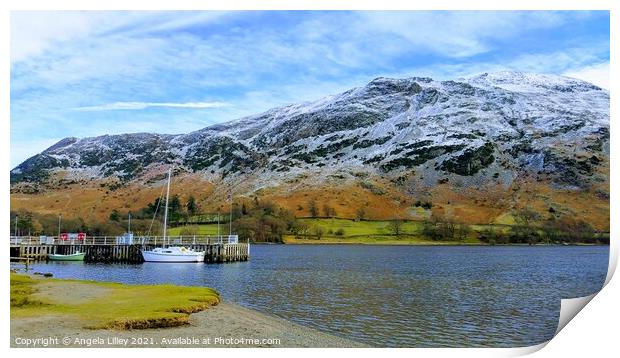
point(127, 240)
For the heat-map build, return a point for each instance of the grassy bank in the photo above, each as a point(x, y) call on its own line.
point(108, 305)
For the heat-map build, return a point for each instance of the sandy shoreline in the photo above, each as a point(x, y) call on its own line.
point(224, 325)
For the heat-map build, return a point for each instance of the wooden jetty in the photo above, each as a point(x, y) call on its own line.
point(118, 250)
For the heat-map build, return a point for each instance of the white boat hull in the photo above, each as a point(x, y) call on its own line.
point(152, 256)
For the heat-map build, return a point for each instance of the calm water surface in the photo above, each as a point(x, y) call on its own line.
point(403, 296)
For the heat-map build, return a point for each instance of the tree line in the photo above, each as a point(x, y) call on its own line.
point(25, 223)
point(264, 221)
point(531, 228)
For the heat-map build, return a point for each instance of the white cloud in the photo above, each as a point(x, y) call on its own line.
point(455, 34)
point(83, 46)
point(595, 74)
point(34, 32)
point(558, 61)
point(145, 105)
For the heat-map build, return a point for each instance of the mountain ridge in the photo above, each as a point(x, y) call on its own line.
point(411, 134)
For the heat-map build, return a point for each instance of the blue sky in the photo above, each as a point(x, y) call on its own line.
point(93, 73)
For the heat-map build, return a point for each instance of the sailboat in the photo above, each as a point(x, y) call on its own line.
point(171, 253)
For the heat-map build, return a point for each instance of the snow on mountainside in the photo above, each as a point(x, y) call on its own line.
point(491, 127)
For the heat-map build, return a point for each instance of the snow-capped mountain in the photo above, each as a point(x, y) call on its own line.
point(490, 127)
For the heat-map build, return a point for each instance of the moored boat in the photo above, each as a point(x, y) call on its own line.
point(78, 256)
point(171, 253)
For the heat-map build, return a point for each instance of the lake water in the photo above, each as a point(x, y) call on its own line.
point(392, 296)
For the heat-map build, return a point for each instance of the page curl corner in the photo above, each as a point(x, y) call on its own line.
point(569, 308)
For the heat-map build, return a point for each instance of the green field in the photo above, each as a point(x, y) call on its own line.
point(208, 229)
point(347, 231)
point(377, 232)
point(365, 228)
point(350, 227)
point(359, 232)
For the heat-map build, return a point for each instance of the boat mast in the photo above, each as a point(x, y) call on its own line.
point(230, 218)
point(166, 211)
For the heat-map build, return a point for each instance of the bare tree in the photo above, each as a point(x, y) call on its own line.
point(301, 230)
point(314, 210)
point(462, 231)
point(360, 214)
point(524, 230)
point(396, 227)
point(526, 217)
point(328, 211)
point(318, 232)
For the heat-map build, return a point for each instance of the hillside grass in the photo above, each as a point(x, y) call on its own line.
point(93, 201)
point(109, 305)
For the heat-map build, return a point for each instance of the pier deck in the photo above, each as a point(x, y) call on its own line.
point(120, 250)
